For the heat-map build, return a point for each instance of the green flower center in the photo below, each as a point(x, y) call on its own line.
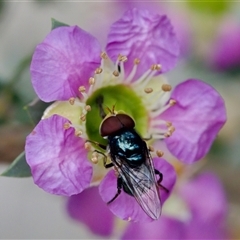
point(124, 99)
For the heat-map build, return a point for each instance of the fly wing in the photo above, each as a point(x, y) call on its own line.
point(141, 182)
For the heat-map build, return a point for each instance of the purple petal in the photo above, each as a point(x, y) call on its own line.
point(63, 62)
point(88, 208)
point(206, 199)
point(57, 158)
point(225, 53)
point(197, 116)
point(144, 35)
point(126, 206)
point(164, 228)
point(197, 229)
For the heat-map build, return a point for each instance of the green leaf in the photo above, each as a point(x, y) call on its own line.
point(56, 24)
point(18, 168)
point(35, 110)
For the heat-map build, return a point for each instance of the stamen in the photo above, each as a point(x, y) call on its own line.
point(88, 146)
point(87, 108)
point(71, 100)
point(159, 153)
point(151, 148)
point(159, 130)
point(166, 87)
point(148, 90)
point(104, 55)
point(83, 117)
point(122, 59)
point(82, 90)
point(91, 81)
point(156, 67)
point(133, 72)
point(169, 124)
point(147, 76)
point(172, 102)
point(78, 133)
point(171, 129)
point(94, 157)
point(163, 109)
point(116, 73)
point(98, 70)
point(136, 61)
point(66, 125)
point(160, 122)
point(167, 134)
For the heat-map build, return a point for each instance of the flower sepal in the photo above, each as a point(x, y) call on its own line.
point(56, 24)
point(18, 168)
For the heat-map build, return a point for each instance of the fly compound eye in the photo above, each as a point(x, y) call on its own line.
point(126, 120)
point(109, 126)
point(114, 123)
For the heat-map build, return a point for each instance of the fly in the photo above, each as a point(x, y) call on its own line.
point(131, 159)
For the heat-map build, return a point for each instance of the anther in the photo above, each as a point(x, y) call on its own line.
point(116, 73)
point(151, 148)
point(166, 87)
point(172, 102)
point(171, 129)
point(122, 58)
point(66, 125)
point(78, 133)
point(168, 124)
point(167, 134)
point(87, 108)
point(156, 67)
point(94, 157)
point(98, 70)
point(91, 80)
point(87, 146)
point(148, 90)
point(104, 55)
point(71, 100)
point(83, 117)
point(159, 153)
point(136, 61)
point(82, 89)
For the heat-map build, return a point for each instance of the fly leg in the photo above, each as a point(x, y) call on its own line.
point(98, 144)
point(106, 165)
point(160, 180)
point(119, 189)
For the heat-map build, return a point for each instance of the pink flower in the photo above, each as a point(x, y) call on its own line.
point(69, 68)
point(200, 213)
point(207, 206)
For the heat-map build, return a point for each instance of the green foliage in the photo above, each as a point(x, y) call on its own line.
point(18, 168)
point(35, 110)
point(56, 24)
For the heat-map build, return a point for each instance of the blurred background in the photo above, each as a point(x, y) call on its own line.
point(209, 34)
